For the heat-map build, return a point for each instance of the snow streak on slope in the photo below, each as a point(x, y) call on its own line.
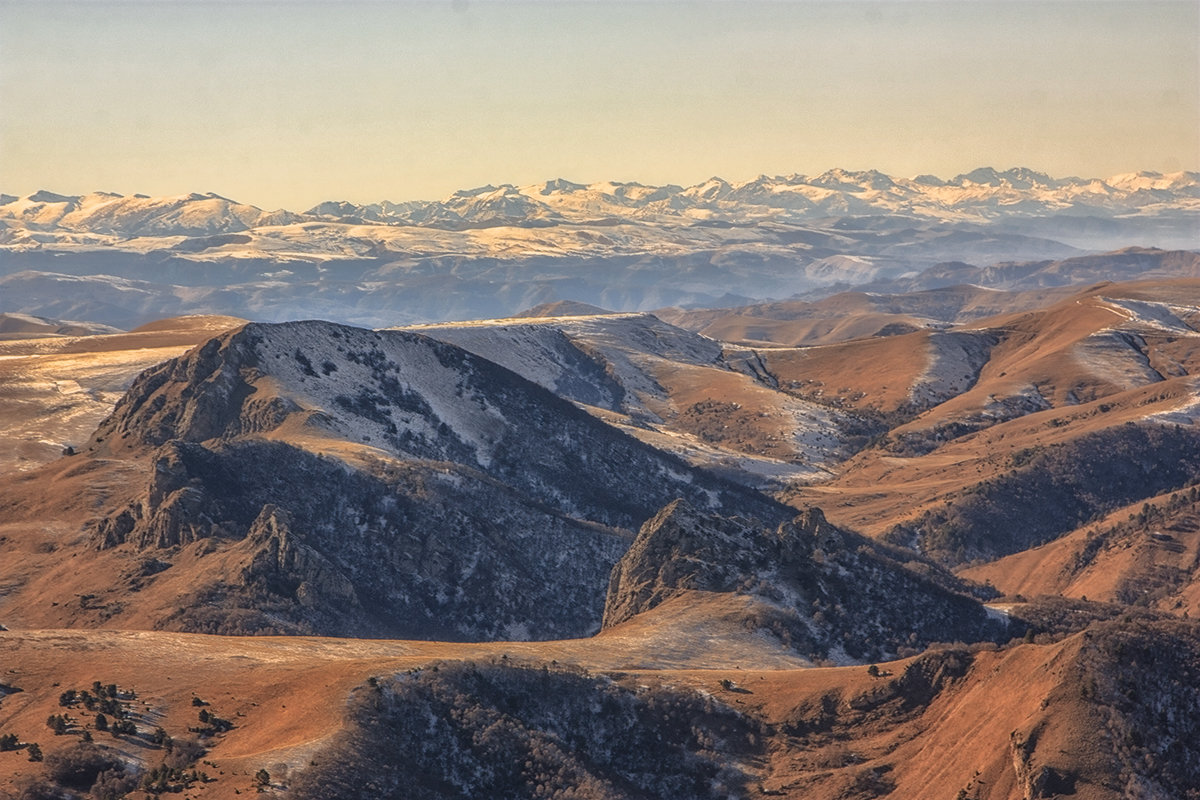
point(619, 348)
point(657, 379)
point(1186, 413)
point(954, 363)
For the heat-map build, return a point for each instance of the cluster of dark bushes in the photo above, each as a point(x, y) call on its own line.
point(1145, 680)
point(467, 730)
point(87, 769)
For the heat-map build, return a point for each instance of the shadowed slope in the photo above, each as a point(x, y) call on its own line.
point(826, 592)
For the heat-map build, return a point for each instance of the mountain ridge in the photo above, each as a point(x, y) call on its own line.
point(253, 485)
point(981, 194)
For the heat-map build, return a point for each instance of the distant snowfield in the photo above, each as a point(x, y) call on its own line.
point(493, 251)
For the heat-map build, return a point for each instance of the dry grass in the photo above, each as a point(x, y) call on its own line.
point(924, 727)
point(54, 390)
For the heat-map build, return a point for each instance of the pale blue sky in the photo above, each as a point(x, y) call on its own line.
point(289, 103)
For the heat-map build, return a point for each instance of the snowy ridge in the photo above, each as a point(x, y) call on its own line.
point(620, 362)
point(107, 213)
point(401, 395)
point(982, 194)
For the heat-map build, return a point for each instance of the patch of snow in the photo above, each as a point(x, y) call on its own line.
point(1186, 413)
point(1146, 314)
point(997, 613)
point(954, 361)
point(1108, 354)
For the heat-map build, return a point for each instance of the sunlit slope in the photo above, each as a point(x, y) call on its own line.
point(57, 383)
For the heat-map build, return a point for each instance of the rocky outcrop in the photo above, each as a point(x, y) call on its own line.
point(207, 393)
point(681, 548)
point(171, 512)
point(405, 549)
point(285, 564)
point(828, 592)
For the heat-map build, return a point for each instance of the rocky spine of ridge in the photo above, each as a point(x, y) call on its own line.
point(202, 395)
point(827, 592)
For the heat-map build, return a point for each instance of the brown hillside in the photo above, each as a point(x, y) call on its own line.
point(856, 315)
point(1146, 554)
point(55, 390)
point(925, 726)
point(1084, 366)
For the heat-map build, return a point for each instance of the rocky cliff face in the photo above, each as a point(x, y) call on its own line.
point(403, 549)
point(830, 593)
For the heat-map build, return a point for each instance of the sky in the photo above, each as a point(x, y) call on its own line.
point(286, 104)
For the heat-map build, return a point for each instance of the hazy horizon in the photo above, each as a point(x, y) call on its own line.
point(289, 104)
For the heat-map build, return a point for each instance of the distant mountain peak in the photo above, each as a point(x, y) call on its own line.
point(44, 196)
point(1015, 177)
point(564, 308)
point(481, 190)
point(562, 185)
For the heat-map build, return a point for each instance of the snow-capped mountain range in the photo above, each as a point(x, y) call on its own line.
point(979, 196)
point(492, 251)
